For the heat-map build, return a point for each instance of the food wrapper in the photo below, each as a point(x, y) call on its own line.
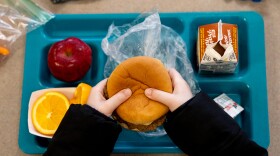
point(17, 18)
point(146, 36)
point(228, 105)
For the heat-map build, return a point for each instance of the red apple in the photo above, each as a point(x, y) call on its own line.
point(69, 59)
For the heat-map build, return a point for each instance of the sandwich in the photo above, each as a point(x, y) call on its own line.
point(139, 113)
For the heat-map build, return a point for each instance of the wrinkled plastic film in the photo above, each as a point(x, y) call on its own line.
point(148, 37)
point(18, 17)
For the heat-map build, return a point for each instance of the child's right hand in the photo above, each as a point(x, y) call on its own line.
point(181, 92)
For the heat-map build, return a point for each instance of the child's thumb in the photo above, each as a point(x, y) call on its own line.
point(159, 96)
point(118, 99)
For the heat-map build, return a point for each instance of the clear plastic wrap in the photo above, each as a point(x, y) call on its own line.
point(16, 18)
point(146, 36)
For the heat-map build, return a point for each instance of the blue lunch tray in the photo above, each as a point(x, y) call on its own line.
point(247, 86)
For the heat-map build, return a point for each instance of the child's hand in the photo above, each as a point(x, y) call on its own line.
point(97, 100)
point(181, 92)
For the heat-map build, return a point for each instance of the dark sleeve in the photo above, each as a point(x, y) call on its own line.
point(200, 127)
point(84, 131)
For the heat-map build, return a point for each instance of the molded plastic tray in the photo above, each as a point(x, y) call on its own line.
point(247, 86)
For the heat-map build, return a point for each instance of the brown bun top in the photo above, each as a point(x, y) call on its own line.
point(138, 74)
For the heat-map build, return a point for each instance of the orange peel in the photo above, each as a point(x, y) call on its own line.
point(81, 94)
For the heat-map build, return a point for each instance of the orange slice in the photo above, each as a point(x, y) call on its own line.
point(48, 111)
point(81, 94)
point(4, 51)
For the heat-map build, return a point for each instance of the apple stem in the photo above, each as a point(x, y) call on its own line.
point(68, 53)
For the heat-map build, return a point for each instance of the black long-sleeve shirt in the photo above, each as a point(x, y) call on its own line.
point(199, 128)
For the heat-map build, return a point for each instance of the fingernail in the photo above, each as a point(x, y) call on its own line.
point(127, 92)
point(148, 92)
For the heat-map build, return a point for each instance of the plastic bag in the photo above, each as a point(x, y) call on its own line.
point(16, 18)
point(146, 36)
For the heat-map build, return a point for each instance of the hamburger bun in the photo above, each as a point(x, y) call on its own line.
point(139, 73)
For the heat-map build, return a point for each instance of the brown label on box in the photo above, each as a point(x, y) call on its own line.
point(208, 34)
point(230, 36)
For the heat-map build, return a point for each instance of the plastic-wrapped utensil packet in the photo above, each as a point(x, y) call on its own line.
point(228, 105)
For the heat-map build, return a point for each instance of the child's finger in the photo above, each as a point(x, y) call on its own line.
point(160, 96)
point(112, 103)
point(100, 86)
point(179, 84)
